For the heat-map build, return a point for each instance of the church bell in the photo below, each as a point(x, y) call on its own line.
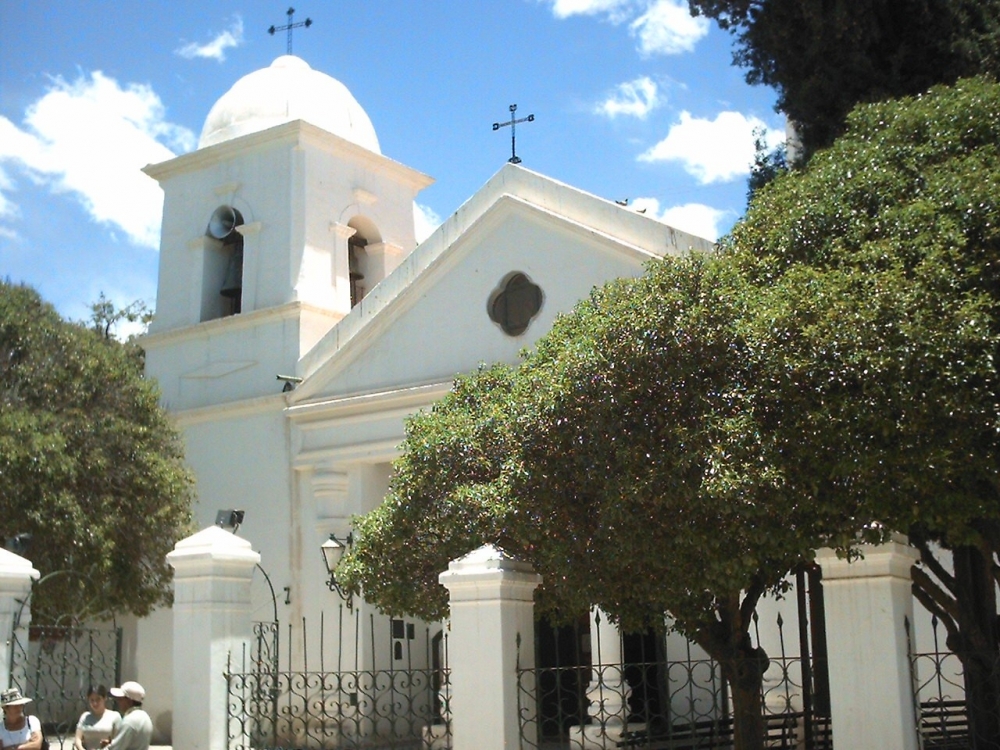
point(232, 284)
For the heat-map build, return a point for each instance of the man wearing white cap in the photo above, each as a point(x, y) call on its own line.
point(136, 729)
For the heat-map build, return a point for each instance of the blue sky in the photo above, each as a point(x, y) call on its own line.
point(633, 99)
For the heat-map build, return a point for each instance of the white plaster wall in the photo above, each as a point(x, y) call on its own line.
point(242, 463)
point(155, 670)
point(447, 329)
point(348, 436)
point(220, 363)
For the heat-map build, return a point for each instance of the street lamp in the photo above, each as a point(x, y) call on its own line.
point(333, 550)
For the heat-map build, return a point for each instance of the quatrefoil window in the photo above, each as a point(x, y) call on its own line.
point(514, 303)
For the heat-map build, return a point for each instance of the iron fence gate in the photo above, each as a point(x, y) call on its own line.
point(56, 666)
point(667, 700)
point(403, 705)
point(942, 712)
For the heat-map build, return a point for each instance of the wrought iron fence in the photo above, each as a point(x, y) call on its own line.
point(941, 681)
point(56, 666)
point(404, 705)
point(651, 701)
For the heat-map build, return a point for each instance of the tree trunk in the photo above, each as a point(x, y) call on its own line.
point(745, 676)
point(977, 645)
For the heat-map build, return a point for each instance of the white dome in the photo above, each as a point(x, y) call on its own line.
point(288, 90)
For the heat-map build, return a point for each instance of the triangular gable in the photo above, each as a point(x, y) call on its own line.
point(428, 319)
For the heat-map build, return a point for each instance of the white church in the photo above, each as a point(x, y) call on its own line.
point(298, 324)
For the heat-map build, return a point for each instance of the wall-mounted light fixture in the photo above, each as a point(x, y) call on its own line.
point(333, 550)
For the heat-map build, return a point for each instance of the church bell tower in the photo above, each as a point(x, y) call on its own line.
point(281, 221)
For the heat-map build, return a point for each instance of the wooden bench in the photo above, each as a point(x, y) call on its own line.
point(781, 732)
point(700, 734)
point(944, 725)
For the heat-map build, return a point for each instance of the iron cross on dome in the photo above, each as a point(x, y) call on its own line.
point(289, 26)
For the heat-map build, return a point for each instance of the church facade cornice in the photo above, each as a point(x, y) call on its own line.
point(322, 428)
point(229, 410)
point(297, 132)
point(359, 407)
point(233, 323)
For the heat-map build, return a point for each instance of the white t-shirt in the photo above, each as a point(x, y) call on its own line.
point(22, 735)
point(94, 730)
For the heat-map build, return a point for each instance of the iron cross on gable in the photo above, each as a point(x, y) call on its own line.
point(289, 26)
point(497, 125)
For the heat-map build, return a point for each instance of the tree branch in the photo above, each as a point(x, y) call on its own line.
point(990, 533)
point(927, 558)
point(929, 593)
point(949, 623)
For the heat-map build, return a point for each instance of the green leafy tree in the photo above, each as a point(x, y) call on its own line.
point(825, 56)
point(627, 460)
point(878, 268)
point(768, 163)
point(90, 467)
point(106, 317)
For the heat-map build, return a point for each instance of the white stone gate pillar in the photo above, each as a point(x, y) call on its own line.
point(867, 604)
point(16, 575)
point(212, 573)
point(492, 603)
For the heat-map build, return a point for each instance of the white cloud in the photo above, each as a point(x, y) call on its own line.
point(89, 139)
point(662, 27)
point(216, 49)
point(633, 98)
point(693, 218)
point(425, 221)
point(668, 28)
point(8, 209)
point(613, 8)
point(716, 150)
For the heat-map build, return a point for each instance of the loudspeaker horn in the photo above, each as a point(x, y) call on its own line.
point(224, 220)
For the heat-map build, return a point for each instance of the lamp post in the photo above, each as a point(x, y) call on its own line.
point(333, 551)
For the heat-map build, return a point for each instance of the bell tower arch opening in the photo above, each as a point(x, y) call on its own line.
point(364, 272)
point(222, 287)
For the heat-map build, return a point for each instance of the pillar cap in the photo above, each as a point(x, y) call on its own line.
point(488, 574)
point(488, 558)
point(213, 543)
point(893, 559)
point(14, 566)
